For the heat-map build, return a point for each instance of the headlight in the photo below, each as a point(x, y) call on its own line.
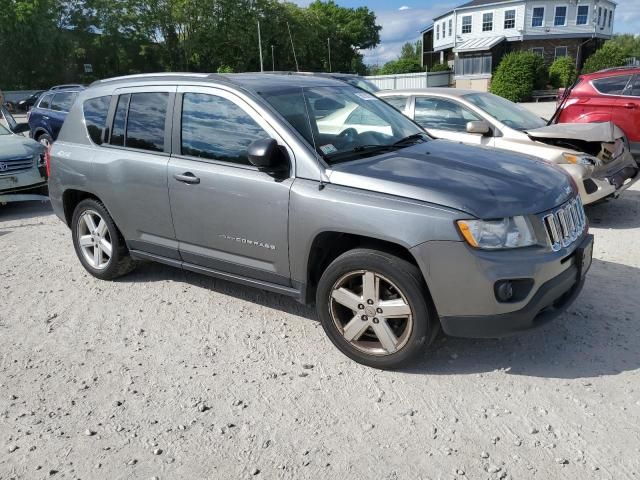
point(511, 232)
point(579, 159)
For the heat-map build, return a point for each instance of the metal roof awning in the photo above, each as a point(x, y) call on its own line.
point(478, 44)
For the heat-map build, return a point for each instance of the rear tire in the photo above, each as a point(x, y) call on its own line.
point(45, 139)
point(375, 308)
point(98, 242)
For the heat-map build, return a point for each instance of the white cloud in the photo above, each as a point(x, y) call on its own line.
point(400, 26)
point(404, 7)
point(627, 17)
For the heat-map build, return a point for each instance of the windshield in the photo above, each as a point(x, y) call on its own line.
point(344, 123)
point(4, 131)
point(505, 111)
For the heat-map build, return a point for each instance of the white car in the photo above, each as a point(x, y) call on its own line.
point(596, 155)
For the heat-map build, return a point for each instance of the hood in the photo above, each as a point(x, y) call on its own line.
point(487, 183)
point(16, 146)
point(588, 132)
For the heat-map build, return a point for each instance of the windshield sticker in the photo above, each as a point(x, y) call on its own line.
point(328, 149)
point(365, 96)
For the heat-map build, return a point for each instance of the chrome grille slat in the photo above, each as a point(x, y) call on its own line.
point(565, 225)
point(15, 165)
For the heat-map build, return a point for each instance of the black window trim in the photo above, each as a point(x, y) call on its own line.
point(104, 133)
point(168, 121)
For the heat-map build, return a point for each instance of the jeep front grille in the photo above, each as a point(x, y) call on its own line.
point(15, 165)
point(565, 225)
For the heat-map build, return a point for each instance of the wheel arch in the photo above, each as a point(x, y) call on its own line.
point(329, 245)
point(70, 200)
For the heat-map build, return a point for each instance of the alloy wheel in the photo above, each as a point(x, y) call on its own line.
point(94, 239)
point(371, 312)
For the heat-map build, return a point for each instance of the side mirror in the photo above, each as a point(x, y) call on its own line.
point(266, 155)
point(20, 128)
point(478, 126)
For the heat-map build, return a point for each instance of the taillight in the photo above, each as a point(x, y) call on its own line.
point(47, 160)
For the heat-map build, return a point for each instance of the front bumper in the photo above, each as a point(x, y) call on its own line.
point(461, 282)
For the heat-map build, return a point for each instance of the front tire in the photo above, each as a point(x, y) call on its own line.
point(375, 308)
point(98, 242)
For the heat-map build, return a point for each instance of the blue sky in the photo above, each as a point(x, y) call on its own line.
point(402, 21)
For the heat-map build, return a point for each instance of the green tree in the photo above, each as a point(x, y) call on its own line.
point(400, 66)
point(517, 75)
point(629, 43)
point(610, 55)
point(562, 72)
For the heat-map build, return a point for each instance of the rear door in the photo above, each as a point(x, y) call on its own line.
point(605, 107)
point(626, 113)
point(39, 117)
point(446, 118)
point(228, 215)
point(130, 170)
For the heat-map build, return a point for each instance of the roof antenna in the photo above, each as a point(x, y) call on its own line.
point(293, 48)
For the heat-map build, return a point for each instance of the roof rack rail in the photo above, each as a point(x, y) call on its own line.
point(613, 69)
point(152, 75)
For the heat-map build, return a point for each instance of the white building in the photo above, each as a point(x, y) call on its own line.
point(473, 37)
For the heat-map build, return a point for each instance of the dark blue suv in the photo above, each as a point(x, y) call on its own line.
point(48, 114)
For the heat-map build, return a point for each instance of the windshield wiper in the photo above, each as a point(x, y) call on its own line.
point(357, 151)
point(410, 138)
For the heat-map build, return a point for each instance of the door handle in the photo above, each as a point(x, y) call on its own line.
point(629, 105)
point(187, 177)
point(45, 117)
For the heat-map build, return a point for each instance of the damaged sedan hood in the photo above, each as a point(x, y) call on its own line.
point(483, 182)
point(588, 132)
point(12, 146)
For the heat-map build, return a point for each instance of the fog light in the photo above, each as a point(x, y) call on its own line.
point(504, 291)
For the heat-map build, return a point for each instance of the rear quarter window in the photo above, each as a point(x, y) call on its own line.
point(612, 85)
point(45, 102)
point(62, 102)
point(95, 117)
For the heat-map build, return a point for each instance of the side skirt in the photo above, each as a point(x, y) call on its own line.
point(271, 287)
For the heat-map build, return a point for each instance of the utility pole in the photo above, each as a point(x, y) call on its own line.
point(259, 37)
point(273, 60)
point(329, 48)
point(293, 48)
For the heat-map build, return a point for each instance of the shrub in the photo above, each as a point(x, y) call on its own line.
point(402, 65)
point(562, 72)
point(440, 67)
point(610, 55)
point(225, 69)
point(518, 74)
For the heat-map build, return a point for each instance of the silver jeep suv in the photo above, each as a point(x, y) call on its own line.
point(256, 179)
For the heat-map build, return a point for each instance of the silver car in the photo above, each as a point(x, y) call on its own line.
point(596, 155)
point(392, 234)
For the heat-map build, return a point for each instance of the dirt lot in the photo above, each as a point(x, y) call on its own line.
point(172, 375)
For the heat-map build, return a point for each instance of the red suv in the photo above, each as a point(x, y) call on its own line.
point(608, 95)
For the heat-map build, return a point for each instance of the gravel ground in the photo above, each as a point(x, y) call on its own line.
point(172, 375)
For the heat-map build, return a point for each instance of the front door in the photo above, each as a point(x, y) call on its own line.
point(445, 118)
point(228, 215)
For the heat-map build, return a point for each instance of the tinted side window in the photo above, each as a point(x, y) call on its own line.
point(612, 85)
point(145, 122)
point(62, 101)
point(216, 128)
point(45, 102)
point(120, 120)
point(95, 117)
point(442, 114)
point(397, 102)
point(635, 91)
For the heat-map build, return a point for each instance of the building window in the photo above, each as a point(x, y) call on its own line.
point(538, 51)
point(509, 19)
point(438, 32)
point(610, 15)
point(560, 19)
point(466, 24)
point(561, 52)
point(599, 15)
point(479, 64)
point(537, 18)
point(604, 21)
point(444, 29)
point(450, 27)
point(487, 22)
point(583, 15)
